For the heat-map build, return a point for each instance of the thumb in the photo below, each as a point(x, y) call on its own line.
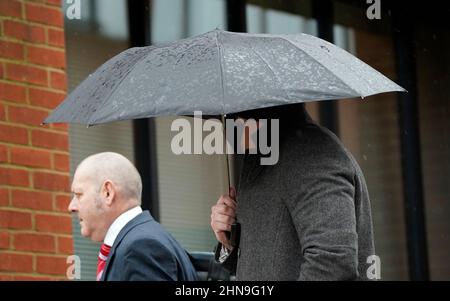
point(222, 238)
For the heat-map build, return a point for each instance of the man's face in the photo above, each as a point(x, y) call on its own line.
point(87, 203)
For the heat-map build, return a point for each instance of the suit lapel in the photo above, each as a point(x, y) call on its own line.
point(141, 218)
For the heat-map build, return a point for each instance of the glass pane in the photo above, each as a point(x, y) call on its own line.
point(370, 130)
point(100, 34)
point(188, 184)
point(433, 76)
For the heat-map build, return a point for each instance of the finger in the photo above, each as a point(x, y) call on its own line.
point(223, 219)
point(225, 199)
point(223, 210)
point(222, 238)
point(219, 226)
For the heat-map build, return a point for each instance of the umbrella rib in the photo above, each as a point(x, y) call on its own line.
point(145, 53)
point(296, 47)
point(221, 71)
point(273, 72)
point(336, 59)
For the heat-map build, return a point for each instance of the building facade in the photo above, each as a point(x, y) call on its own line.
point(401, 141)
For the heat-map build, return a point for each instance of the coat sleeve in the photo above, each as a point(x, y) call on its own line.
point(323, 211)
point(149, 260)
point(230, 262)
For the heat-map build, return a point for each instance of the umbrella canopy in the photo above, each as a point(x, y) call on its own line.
point(218, 73)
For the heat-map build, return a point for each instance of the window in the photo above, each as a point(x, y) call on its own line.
point(101, 33)
point(188, 185)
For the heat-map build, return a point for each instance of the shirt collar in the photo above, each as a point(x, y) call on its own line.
point(119, 223)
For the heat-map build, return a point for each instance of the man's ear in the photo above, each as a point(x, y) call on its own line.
point(109, 192)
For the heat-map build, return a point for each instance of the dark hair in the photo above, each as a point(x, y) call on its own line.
point(291, 117)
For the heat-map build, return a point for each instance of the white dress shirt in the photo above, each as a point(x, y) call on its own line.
point(119, 223)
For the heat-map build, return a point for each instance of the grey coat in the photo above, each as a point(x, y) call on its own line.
point(306, 218)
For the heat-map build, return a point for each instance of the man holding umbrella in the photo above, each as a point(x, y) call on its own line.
point(307, 217)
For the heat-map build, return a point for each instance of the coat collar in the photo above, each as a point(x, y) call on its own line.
point(140, 219)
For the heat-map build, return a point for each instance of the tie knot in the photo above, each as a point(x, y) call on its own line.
point(104, 250)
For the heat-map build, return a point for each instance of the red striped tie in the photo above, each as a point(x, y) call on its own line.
point(102, 257)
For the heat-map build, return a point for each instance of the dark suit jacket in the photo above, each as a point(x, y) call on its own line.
point(144, 250)
point(306, 218)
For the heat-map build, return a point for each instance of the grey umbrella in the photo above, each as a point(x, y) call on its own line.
point(218, 73)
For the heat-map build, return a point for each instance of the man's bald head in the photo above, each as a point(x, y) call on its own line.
point(112, 166)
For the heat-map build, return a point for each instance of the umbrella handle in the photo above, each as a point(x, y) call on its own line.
point(224, 126)
point(235, 233)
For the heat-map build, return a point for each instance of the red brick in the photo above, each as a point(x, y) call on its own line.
point(15, 220)
point(1, 70)
point(6, 277)
point(26, 115)
point(4, 197)
point(54, 223)
point(16, 262)
point(60, 126)
point(4, 240)
point(43, 98)
point(50, 140)
point(13, 134)
point(34, 242)
point(22, 31)
point(62, 203)
point(58, 80)
point(51, 265)
point(12, 92)
point(50, 181)
point(30, 157)
point(11, 50)
point(54, 2)
point(14, 177)
point(2, 114)
point(3, 153)
point(45, 15)
point(61, 162)
point(11, 8)
point(32, 278)
point(46, 57)
point(37, 200)
point(26, 74)
point(56, 37)
point(65, 245)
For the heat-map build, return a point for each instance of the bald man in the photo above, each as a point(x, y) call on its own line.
point(106, 191)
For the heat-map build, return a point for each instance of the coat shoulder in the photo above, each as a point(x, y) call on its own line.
point(314, 146)
point(147, 232)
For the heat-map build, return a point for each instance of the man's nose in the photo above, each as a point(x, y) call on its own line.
point(72, 205)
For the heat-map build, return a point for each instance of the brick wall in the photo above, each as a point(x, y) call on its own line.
point(35, 229)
